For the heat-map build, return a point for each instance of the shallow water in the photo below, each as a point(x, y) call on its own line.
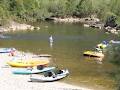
point(69, 43)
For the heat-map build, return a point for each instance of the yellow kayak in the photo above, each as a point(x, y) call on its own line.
point(27, 63)
point(93, 54)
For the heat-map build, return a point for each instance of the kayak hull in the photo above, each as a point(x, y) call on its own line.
point(27, 63)
point(93, 54)
point(31, 71)
point(49, 79)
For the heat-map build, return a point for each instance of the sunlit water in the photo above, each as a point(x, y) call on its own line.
point(69, 43)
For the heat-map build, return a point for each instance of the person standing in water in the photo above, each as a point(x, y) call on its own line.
point(51, 41)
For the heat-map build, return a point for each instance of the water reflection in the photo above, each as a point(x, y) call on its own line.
point(96, 59)
point(99, 60)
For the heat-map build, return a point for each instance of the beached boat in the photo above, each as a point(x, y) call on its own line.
point(50, 77)
point(93, 54)
point(114, 42)
point(31, 71)
point(27, 63)
point(7, 50)
point(42, 55)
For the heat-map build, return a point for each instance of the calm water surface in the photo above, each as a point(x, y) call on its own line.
point(70, 41)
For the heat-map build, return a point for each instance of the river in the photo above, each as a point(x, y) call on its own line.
point(69, 43)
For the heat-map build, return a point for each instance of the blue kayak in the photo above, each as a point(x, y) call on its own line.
point(31, 71)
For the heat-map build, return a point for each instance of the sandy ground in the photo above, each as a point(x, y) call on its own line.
point(9, 81)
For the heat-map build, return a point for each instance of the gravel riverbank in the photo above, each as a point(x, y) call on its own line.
point(9, 81)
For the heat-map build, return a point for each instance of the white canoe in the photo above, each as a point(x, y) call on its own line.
point(115, 42)
point(7, 50)
point(42, 78)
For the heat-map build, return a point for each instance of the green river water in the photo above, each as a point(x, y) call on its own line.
point(70, 41)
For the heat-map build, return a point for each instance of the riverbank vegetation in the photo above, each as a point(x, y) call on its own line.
point(114, 58)
point(37, 10)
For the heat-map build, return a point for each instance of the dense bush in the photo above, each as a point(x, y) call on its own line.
point(114, 57)
point(35, 10)
point(114, 54)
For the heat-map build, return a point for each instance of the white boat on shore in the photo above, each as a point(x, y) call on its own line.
point(115, 42)
point(50, 77)
point(7, 50)
point(43, 55)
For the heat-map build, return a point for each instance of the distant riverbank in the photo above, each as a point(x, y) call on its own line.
point(91, 21)
point(15, 26)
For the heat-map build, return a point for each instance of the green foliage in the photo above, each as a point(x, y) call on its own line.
point(115, 5)
point(35, 10)
point(71, 6)
point(113, 50)
point(83, 7)
point(56, 8)
point(113, 54)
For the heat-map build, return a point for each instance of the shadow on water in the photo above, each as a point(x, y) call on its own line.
point(70, 41)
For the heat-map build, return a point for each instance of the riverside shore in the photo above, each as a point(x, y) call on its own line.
point(9, 81)
point(15, 26)
point(92, 21)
